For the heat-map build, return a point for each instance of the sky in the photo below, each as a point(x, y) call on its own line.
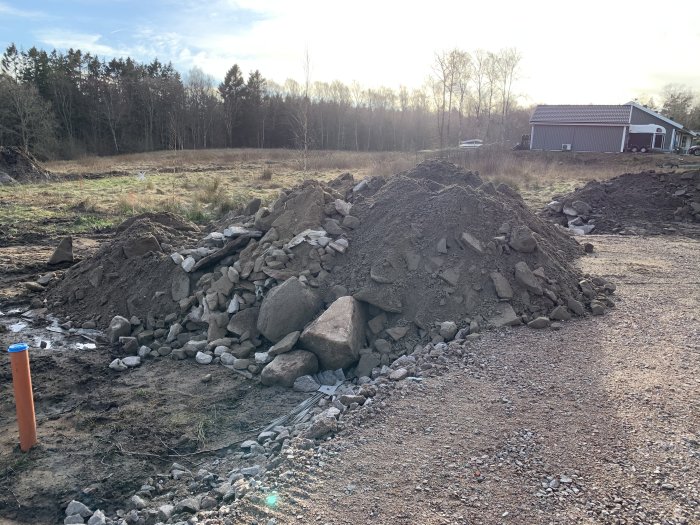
point(600, 52)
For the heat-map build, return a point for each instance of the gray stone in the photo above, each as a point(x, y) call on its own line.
point(174, 331)
point(398, 374)
point(287, 308)
point(469, 240)
point(177, 258)
point(63, 252)
point(442, 246)
point(130, 345)
point(251, 472)
point(118, 365)
point(382, 345)
point(218, 325)
point(165, 512)
point(349, 399)
point(262, 358)
point(337, 335)
point(525, 277)
point(503, 288)
point(448, 329)
point(137, 502)
point(285, 368)
point(253, 206)
point(351, 222)
point(98, 518)
point(327, 377)
point(332, 226)
point(285, 344)
point(321, 427)
point(118, 327)
point(132, 361)
point(377, 324)
point(368, 362)
point(306, 383)
point(75, 518)
point(76, 507)
point(397, 332)
point(522, 240)
point(379, 299)
point(180, 287)
point(539, 323)
point(450, 276)
point(560, 313)
point(575, 306)
point(190, 505)
point(188, 263)
point(203, 359)
point(597, 308)
point(581, 207)
point(245, 322)
point(228, 359)
point(506, 317)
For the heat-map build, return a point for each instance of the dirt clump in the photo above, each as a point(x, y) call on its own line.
point(18, 166)
point(633, 203)
point(130, 275)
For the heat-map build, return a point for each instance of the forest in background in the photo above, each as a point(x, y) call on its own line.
point(63, 105)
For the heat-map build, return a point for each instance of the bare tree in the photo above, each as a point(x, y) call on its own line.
point(506, 65)
point(25, 117)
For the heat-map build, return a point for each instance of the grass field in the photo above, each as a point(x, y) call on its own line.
point(203, 185)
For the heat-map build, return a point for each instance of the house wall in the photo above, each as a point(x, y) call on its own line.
point(581, 138)
point(641, 117)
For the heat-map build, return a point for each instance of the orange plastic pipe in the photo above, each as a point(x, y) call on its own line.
point(24, 398)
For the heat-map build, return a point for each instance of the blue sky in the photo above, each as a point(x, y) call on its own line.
point(600, 52)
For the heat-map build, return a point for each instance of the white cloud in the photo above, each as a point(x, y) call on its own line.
point(588, 54)
point(9, 10)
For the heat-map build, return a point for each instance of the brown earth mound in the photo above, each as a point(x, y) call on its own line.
point(633, 203)
point(16, 166)
point(427, 255)
point(432, 249)
point(131, 275)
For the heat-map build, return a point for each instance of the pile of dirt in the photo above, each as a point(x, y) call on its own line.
point(633, 203)
point(17, 166)
point(429, 255)
point(434, 250)
point(130, 275)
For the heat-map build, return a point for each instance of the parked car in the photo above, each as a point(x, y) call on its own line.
point(471, 143)
point(694, 150)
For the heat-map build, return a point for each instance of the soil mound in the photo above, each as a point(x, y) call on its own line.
point(633, 203)
point(131, 275)
point(16, 166)
point(431, 251)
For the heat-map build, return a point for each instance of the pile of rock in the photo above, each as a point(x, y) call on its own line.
point(18, 166)
point(647, 202)
point(331, 277)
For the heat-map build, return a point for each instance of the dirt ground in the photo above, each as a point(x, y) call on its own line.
point(102, 434)
point(595, 423)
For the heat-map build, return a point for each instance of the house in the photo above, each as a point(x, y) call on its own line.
point(627, 127)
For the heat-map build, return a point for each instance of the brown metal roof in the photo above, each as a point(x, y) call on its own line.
point(590, 114)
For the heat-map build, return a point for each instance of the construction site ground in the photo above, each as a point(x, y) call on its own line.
point(594, 423)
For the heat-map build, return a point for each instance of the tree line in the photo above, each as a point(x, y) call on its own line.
point(67, 104)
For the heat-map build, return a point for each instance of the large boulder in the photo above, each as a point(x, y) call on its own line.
point(337, 336)
point(287, 308)
point(285, 368)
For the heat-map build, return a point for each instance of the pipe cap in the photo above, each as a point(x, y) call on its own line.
point(18, 347)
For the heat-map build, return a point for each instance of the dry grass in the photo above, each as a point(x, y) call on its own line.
point(206, 184)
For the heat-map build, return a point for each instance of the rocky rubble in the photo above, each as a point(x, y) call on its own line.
point(337, 276)
point(646, 202)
